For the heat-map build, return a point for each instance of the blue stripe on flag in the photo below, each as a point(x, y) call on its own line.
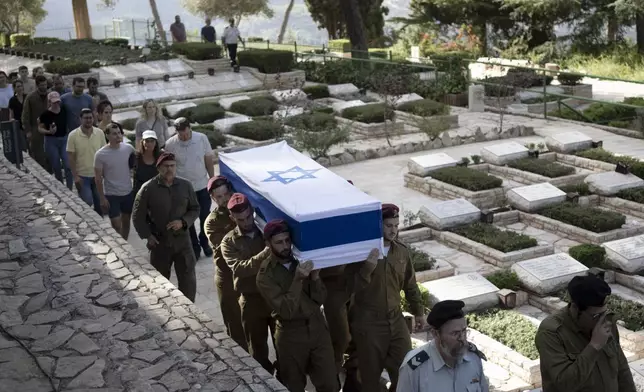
point(333, 231)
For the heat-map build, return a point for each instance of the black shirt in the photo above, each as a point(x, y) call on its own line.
point(16, 107)
point(208, 32)
point(60, 119)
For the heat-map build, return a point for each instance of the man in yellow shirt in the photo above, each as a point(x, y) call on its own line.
point(82, 145)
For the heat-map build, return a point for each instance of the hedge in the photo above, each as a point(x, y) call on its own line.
point(421, 260)
point(257, 106)
point(582, 189)
point(370, 114)
point(20, 40)
point(424, 108)
point(45, 40)
point(198, 50)
point(203, 113)
point(67, 67)
point(567, 79)
point(115, 41)
point(508, 328)
point(447, 61)
point(258, 130)
point(636, 195)
point(587, 218)
point(317, 91)
point(215, 137)
point(505, 279)
point(424, 295)
point(340, 45)
point(267, 61)
point(312, 122)
point(589, 255)
point(490, 235)
point(466, 178)
point(542, 167)
point(599, 154)
point(630, 312)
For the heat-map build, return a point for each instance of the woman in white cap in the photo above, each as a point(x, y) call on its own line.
point(146, 157)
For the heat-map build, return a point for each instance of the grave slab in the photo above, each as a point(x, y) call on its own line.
point(339, 90)
point(338, 107)
point(226, 103)
point(627, 253)
point(568, 142)
point(174, 109)
point(477, 292)
point(449, 213)
point(294, 111)
point(424, 164)
point(610, 183)
point(531, 198)
point(408, 98)
point(292, 95)
point(548, 274)
point(502, 153)
point(224, 125)
point(122, 116)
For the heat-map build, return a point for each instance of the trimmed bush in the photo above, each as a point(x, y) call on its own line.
point(67, 67)
point(318, 91)
point(568, 79)
point(599, 154)
point(20, 40)
point(589, 255)
point(587, 218)
point(507, 327)
point(129, 123)
point(257, 130)
point(448, 61)
point(421, 260)
point(425, 299)
point(582, 189)
point(215, 137)
point(255, 39)
point(379, 53)
point(505, 279)
point(490, 235)
point(312, 122)
point(203, 113)
point(257, 106)
point(466, 178)
point(370, 114)
point(115, 41)
point(636, 195)
point(542, 167)
point(425, 108)
point(45, 40)
point(340, 45)
point(267, 61)
point(198, 51)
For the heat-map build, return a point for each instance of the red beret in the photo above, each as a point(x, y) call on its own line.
point(389, 211)
point(238, 202)
point(166, 156)
point(274, 227)
point(216, 182)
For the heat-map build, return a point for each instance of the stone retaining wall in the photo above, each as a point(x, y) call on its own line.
point(449, 121)
point(585, 163)
point(622, 206)
point(528, 178)
point(281, 81)
point(362, 130)
point(201, 67)
point(482, 199)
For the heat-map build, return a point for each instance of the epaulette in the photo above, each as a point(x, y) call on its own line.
point(472, 348)
point(401, 244)
point(418, 359)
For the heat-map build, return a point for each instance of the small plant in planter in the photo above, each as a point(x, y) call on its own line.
point(143, 58)
point(165, 56)
point(123, 60)
point(117, 83)
point(505, 279)
point(51, 58)
point(568, 79)
point(589, 255)
point(465, 161)
point(211, 71)
point(141, 80)
point(166, 78)
point(32, 55)
point(421, 260)
point(191, 75)
point(476, 159)
point(96, 64)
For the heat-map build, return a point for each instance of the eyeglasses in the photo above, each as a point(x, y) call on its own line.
point(597, 316)
point(457, 334)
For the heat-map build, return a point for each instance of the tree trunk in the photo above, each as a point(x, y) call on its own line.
point(639, 31)
point(287, 15)
point(81, 19)
point(355, 28)
point(613, 29)
point(158, 22)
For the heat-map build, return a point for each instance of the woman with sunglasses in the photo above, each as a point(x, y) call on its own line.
point(146, 156)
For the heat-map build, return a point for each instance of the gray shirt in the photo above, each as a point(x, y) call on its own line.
point(423, 370)
point(159, 126)
point(178, 31)
point(117, 180)
point(190, 158)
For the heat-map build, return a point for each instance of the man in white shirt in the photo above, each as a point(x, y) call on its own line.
point(195, 163)
point(230, 39)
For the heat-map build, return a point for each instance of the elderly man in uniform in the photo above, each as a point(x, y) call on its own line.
point(217, 225)
point(579, 345)
point(164, 209)
point(377, 324)
point(244, 250)
point(448, 362)
point(295, 292)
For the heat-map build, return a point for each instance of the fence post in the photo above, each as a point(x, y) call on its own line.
point(391, 56)
point(105, 31)
point(268, 44)
point(133, 33)
point(295, 44)
point(545, 89)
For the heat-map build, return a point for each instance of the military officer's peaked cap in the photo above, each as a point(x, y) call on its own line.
point(166, 156)
point(445, 311)
point(589, 290)
point(275, 227)
point(389, 211)
point(238, 202)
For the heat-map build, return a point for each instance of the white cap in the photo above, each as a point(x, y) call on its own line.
point(149, 135)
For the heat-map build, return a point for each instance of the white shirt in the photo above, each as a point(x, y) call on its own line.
point(231, 35)
point(5, 95)
point(190, 158)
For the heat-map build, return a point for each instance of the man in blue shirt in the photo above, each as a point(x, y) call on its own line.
point(75, 102)
point(208, 33)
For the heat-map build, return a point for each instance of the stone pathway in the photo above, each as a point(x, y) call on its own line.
point(11, 63)
point(151, 70)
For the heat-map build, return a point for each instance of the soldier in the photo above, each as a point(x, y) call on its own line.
point(217, 225)
point(335, 310)
point(294, 291)
point(448, 362)
point(244, 250)
point(579, 345)
point(377, 324)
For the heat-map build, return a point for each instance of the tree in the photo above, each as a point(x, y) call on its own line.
point(228, 9)
point(21, 15)
point(355, 28)
point(328, 15)
point(287, 15)
point(155, 15)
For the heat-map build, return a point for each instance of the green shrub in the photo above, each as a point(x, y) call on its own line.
point(599, 154)
point(257, 106)
point(267, 61)
point(567, 114)
point(67, 67)
point(542, 167)
point(198, 50)
point(340, 45)
point(424, 108)
point(489, 235)
point(421, 260)
point(588, 218)
point(449, 61)
point(582, 189)
point(45, 40)
point(369, 114)
point(568, 79)
point(589, 255)
point(466, 178)
point(322, 109)
point(129, 123)
point(318, 142)
point(505, 279)
point(258, 130)
point(203, 113)
point(425, 299)
point(318, 91)
point(507, 327)
point(498, 86)
point(20, 40)
point(636, 195)
point(255, 39)
point(312, 122)
point(115, 41)
point(215, 137)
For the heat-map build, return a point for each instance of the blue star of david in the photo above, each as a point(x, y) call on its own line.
point(301, 174)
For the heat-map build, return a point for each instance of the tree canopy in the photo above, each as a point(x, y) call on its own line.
point(328, 15)
point(228, 9)
point(21, 15)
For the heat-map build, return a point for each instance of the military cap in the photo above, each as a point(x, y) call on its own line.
point(445, 311)
point(166, 156)
point(389, 211)
point(589, 290)
point(216, 182)
point(274, 227)
point(238, 202)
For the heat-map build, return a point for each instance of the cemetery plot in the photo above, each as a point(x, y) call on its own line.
point(611, 183)
point(371, 120)
point(630, 201)
point(535, 197)
point(461, 262)
point(569, 142)
point(449, 214)
point(471, 288)
point(548, 274)
point(426, 114)
point(627, 253)
point(502, 153)
point(423, 165)
point(428, 268)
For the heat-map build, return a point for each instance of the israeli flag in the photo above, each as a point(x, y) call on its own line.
point(332, 222)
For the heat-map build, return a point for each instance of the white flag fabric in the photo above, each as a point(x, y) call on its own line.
point(332, 222)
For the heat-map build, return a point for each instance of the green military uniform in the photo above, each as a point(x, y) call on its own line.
point(377, 324)
point(302, 339)
point(216, 226)
point(244, 254)
point(569, 363)
point(158, 204)
point(335, 310)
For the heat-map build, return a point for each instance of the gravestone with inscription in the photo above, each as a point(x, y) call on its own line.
point(338, 107)
point(627, 254)
point(531, 198)
point(548, 274)
point(476, 98)
point(288, 112)
point(567, 142)
point(340, 90)
point(472, 288)
point(610, 183)
point(449, 213)
point(226, 103)
point(292, 95)
point(502, 153)
point(424, 164)
point(224, 125)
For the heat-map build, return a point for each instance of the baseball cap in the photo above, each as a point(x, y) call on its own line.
point(53, 97)
point(181, 123)
point(149, 135)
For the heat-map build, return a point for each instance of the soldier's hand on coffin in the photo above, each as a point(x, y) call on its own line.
point(315, 274)
point(304, 269)
point(374, 255)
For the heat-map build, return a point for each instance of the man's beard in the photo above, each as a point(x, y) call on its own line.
point(456, 352)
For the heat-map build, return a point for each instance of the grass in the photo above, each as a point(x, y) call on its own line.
point(501, 240)
point(628, 67)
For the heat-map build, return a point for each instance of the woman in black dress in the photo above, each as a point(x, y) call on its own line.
point(15, 109)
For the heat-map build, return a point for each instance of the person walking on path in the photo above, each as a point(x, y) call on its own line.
point(146, 157)
point(112, 165)
point(36, 104)
point(16, 103)
point(75, 102)
point(152, 119)
point(208, 33)
point(217, 225)
point(231, 38)
point(178, 30)
point(295, 292)
point(59, 85)
point(29, 83)
point(53, 125)
point(104, 112)
point(164, 208)
point(195, 162)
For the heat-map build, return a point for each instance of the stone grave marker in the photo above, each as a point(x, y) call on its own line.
point(531, 198)
point(610, 183)
point(173, 109)
point(122, 116)
point(408, 98)
point(627, 254)
point(415, 54)
point(292, 111)
point(424, 164)
point(449, 213)
point(568, 142)
point(502, 153)
point(224, 125)
point(338, 107)
point(471, 288)
point(476, 98)
point(292, 95)
point(340, 90)
point(226, 103)
point(548, 274)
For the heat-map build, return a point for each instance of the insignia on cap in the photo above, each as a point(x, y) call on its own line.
point(418, 360)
